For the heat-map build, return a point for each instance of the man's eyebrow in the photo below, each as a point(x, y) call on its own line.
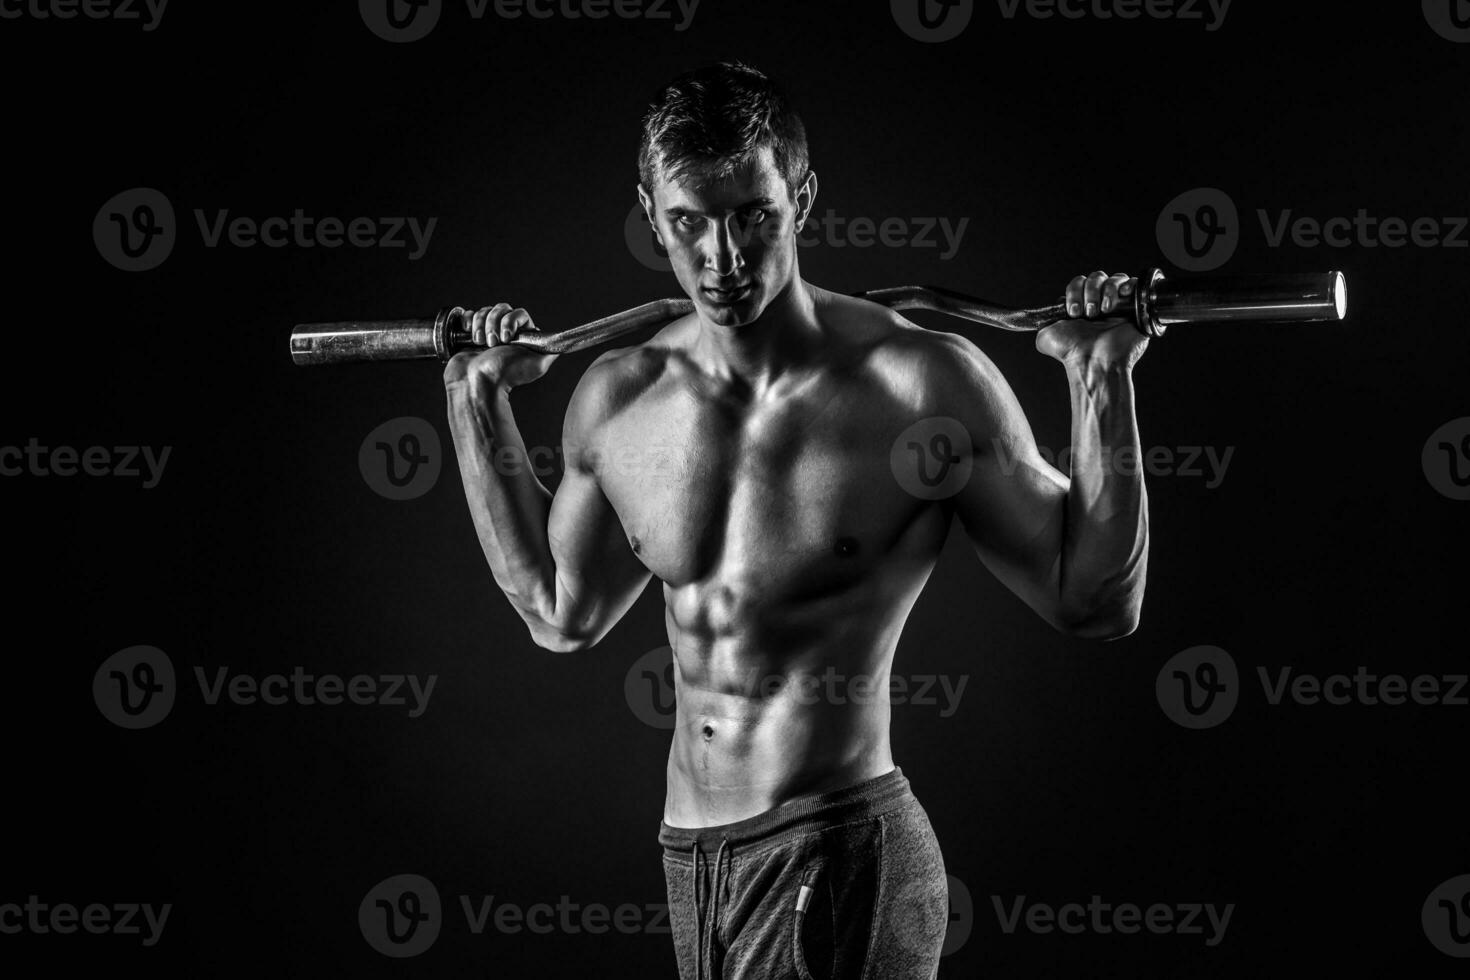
point(677, 210)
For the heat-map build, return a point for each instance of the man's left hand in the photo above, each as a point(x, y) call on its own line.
point(1096, 336)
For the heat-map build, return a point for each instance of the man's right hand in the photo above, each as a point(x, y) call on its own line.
point(503, 365)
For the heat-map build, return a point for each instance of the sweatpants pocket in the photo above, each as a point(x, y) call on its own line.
point(812, 933)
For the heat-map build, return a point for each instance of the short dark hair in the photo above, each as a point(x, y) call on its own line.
point(713, 120)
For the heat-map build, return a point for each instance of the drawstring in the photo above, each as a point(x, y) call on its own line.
point(698, 931)
point(714, 912)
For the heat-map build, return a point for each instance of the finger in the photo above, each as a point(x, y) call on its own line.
point(494, 328)
point(1074, 295)
point(517, 322)
point(1092, 292)
point(477, 326)
point(483, 325)
point(1110, 291)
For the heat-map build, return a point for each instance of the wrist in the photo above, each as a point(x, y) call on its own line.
point(1093, 372)
point(477, 400)
point(477, 389)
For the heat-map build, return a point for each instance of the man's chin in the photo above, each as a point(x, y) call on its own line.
point(736, 314)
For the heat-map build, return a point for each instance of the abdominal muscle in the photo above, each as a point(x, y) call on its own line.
point(758, 725)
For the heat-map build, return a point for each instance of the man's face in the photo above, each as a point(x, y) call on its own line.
point(732, 242)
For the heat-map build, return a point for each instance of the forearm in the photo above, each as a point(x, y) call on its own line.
point(1105, 547)
point(508, 504)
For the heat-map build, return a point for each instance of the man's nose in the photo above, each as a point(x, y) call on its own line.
point(723, 255)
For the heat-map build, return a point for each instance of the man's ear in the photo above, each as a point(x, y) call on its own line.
point(806, 196)
point(646, 199)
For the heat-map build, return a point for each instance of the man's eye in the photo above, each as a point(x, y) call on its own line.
point(753, 216)
point(687, 222)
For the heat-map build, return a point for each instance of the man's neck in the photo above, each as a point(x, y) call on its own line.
point(752, 357)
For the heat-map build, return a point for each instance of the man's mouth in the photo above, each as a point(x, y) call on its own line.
point(732, 294)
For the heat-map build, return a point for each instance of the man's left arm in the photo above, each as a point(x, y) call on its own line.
point(1073, 548)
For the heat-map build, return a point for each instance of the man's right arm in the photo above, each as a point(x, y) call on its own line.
point(562, 560)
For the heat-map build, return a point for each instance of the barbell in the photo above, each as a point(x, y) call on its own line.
point(1158, 302)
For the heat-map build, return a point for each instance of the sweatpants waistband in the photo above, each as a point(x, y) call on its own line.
point(869, 798)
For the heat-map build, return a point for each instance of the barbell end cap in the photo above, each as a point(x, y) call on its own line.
point(305, 351)
point(1143, 302)
point(1339, 294)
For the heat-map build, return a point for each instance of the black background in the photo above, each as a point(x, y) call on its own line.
point(1324, 548)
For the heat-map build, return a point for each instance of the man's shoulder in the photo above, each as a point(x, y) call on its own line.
point(620, 375)
point(926, 368)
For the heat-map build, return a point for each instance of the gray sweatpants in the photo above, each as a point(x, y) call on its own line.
point(847, 885)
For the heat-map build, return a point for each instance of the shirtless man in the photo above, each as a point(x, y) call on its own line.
point(742, 456)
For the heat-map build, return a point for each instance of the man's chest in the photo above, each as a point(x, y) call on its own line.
point(804, 488)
